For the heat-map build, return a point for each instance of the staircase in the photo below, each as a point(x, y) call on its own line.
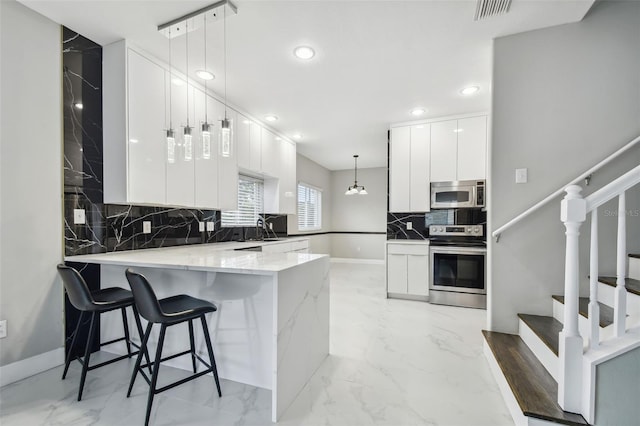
point(547, 373)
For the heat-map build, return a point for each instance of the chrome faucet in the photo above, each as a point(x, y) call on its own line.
point(260, 228)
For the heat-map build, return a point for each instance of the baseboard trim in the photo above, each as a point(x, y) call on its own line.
point(354, 260)
point(28, 367)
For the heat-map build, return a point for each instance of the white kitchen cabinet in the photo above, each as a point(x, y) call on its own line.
point(409, 169)
point(134, 127)
point(271, 157)
point(227, 166)
point(472, 148)
point(249, 143)
point(459, 149)
point(280, 191)
point(408, 269)
point(180, 172)
point(206, 161)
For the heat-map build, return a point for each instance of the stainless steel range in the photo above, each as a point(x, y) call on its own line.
point(458, 265)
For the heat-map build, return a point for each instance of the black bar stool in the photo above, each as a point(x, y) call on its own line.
point(94, 304)
point(167, 312)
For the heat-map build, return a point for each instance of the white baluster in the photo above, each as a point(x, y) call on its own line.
point(573, 213)
point(620, 302)
point(594, 308)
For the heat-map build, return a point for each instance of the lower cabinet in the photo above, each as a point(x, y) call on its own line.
point(408, 269)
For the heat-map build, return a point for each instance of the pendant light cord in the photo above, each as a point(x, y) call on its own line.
point(186, 24)
point(205, 68)
point(224, 11)
point(170, 80)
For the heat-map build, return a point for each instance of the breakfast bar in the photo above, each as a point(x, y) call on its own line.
point(271, 329)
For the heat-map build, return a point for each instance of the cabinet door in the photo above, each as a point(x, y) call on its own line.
point(419, 194)
point(288, 181)
point(397, 273)
point(399, 169)
point(472, 148)
point(256, 147)
point(270, 154)
point(243, 142)
point(444, 149)
point(227, 166)
point(418, 275)
point(180, 171)
point(206, 158)
point(146, 138)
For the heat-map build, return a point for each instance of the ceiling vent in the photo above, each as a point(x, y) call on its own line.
point(488, 8)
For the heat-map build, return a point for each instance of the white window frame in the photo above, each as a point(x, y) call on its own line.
point(306, 223)
point(248, 212)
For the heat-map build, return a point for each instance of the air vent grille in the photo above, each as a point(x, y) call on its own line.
point(487, 8)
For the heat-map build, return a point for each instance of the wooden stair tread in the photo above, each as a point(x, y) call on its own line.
point(606, 312)
point(546, 328)
point(633, 286)
point(533, 387)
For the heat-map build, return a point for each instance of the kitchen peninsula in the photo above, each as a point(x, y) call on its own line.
point(271, 329)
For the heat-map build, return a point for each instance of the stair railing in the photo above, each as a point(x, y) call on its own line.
point(586, 175)
point(574, 210)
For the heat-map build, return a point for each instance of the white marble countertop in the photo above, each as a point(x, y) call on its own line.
point(216, 257)
point(423, 242)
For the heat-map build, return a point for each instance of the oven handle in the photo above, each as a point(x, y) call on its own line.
point(458, 250)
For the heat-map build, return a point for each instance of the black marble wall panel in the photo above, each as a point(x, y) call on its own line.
point(397, 228)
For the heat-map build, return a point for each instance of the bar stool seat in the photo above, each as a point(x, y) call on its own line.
point(167, 312)
point(93, 304)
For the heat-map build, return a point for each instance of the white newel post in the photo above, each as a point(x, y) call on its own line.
point(620, 302)
point(573, 213)
point(594, 308)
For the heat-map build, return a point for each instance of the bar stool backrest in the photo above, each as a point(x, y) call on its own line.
point(144, 297)
point(77, 289)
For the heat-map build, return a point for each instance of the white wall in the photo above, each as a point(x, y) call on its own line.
point(30, 182)
point(359, 213)
point(563, 99)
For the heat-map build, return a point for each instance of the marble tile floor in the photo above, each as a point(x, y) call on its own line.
point(392, 362)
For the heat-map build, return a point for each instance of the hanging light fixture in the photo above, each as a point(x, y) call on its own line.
point(226, 132)
point(188, 139)
point(225, 136)
point(171, 140)
point(206, 127)
point(355, 188)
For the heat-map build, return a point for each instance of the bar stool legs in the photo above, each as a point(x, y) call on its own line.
point(87, 354)
point(212, 359)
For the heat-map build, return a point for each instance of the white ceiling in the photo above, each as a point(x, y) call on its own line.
point(375, 60)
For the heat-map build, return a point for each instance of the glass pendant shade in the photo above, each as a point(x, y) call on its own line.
point(206, 140)
point(171, 146)
point(225, 138)
point(188, 144)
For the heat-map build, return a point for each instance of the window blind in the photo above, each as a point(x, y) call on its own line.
point(309, 208)
point(250, 203)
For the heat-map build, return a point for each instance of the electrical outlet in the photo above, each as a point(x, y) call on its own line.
point(201, 226)
point(3, 329)
point(409, 226)
point(146, 226)
point(211, 226)
point(521, 175)
point(79, 217)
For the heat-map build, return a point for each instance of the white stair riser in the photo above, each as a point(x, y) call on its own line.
point(548, 359)
point(634, 268)
point(583, 323)
point(606, 295)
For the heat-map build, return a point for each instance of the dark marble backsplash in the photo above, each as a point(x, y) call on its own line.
point(420, 221)
point(111, 227)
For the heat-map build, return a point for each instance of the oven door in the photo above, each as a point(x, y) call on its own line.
point(450, 195)
point(458, 269)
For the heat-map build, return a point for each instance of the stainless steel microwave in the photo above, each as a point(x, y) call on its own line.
point(457, 194)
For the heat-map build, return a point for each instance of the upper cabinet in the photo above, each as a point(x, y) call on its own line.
point(459, 149)
point(409, 169)
point(249, 142)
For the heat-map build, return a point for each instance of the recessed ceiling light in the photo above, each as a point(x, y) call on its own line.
point(469, 90)
point(78, 105)
point(205, 75)
point(278, 138)
point(246, 121)
point(304, 52)
point(458, 130)
point(418, 111)
point(420, 126)
point(297, 136)
point(176, 81)
point(133, 140)
point(271, 117)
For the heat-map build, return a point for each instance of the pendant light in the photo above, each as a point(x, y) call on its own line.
point(188, 140)
point(225, 136)
point(171, 140)
point(355, 188)
point(205, 136)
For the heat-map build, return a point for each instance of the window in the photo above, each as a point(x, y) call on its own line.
point(250, 204)
point(309, 208)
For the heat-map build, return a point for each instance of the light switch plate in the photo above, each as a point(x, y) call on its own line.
point(409, 226)
point(3, 329)
point(201, 226)
point(79, 217)
point(211, 226)
point(146, 227)
point(521, 175)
